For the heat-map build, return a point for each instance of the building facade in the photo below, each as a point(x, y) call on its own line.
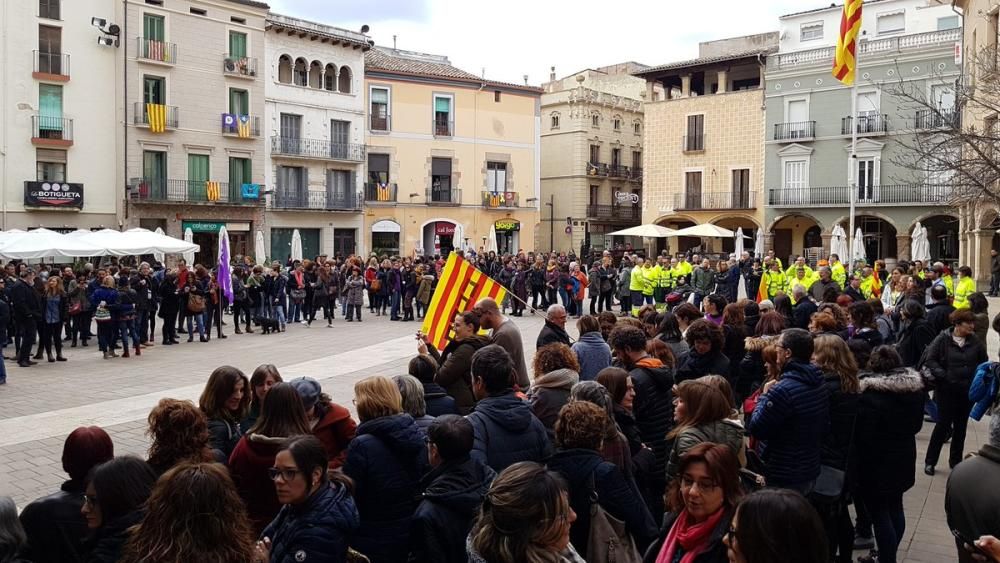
point(453, 159)
point(194, 146)
point(907, 48)
point(592, 150)
point(314, 118)
point(59, 165)
point(704, 142)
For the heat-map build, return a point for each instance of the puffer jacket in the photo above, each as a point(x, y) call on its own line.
point(438, 401)
point(726, 431)
point(506, 432)
point(890, 414)
point(253, 456)
point(914, 337)
point(837, 450)
point(984, 390)
point(953, 366)
point(549, 393)
point(593, 354)
point(317, 530)
point(223, 436)
point(386, 461)
point(455, 369)
point(693, 365)
point(54, 527)
point(653, 406)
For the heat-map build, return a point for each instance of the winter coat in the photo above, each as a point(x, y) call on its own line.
point(792, 418)
point(449, 505)
point(319, 529)
point(568, 555)
point(424, 292)
point(752, 368)
point(653, 406)
point(837, 450)
point(355, 288)
point(802, 313)
point(716, 551)
point(984, 390)
point(105, 546)
point(335, 429)
point(386, 461)
point(819, 287)
point(733, 347)
point(725, 431)
point(455, 369)
point(253, 456)
point(54, 526)
point(506, 432)
point(593, 353)
point(624, 280)
point(890, 414)
point(937, 316)
point(951, 366)
point(551, 334)
point(702, 280)
point(222, 438)
point(550, 393)
point(438, 401)
point(508, 337)
point(585, 472)
point(914, 337)
point(973, 493)
point(678, 346)
point(693, 365)
point(24, 300)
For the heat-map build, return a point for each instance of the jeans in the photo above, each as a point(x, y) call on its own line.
point(636, 302)
point(550, 297)
point(995, 283)
point(126, 328)
point(52, 335)
point(626, 303)
point(169, 324)
point(294, 310)
point(537, 292)
point(887, 516)
point(105, 335)
point(564, 297)
point(351, 310)
point(953, 413)
point(394, 305)
point(198, 322)
point(279, 314)
point(143, 323)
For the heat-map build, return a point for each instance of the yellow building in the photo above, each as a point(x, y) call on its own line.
point(704, 139)
point(451, 157)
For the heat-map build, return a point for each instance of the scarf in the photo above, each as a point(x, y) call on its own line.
point(298, 279)
point(692, 537)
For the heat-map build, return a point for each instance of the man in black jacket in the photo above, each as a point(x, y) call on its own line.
point(994, 273)
point(973, 493)
point(804, 307)
point(554, 330)
point(27, 314)
point(939, 311)
point(453, 491)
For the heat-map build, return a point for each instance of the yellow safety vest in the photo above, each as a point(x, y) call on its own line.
point(776, 281)
point(964, 288)
point(839, 274)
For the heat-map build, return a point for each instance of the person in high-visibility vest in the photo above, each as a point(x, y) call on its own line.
point(637, 284)
point(867, 283)
point(649, 276)
point(771, 257)
point(658, 280)
point(800, 262)
point(965, 287)
point(683, 267)
point(800, 277)
point(837, 271)
point(775, 279)
point(948, 278)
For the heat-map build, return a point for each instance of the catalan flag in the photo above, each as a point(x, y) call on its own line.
point(243, 126)
point(460, 287)
point(156, 116)
point(876, 284)
point(845, 60)
point(765, 280)
point(213, 190)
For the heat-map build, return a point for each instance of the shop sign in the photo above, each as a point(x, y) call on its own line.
point(53, 195)
point(385, 226)
point(213, 227)
point(627, 197)
point(507, 225)
point(442, 228)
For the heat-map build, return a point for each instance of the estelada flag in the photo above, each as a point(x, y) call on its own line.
point(460, 287)
point(845, 56)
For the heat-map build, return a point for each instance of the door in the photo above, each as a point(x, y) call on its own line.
point(291, 133)
point(741, 188)
point(153, 34)
point(378, 168)
point(340, 134)
point(154, 173)
point(344, 242)
point(239, 102)
point(868, 112)
point(49, 49)
point(339, 189)
point(240, 172)
point(867, 183)
point(50, 114)
point(796, 183)
point(197, 176)
point(237, 45)
point(783, 243)
point(441, 180)
point(692, 190)
point(798, 115)
point(695, 133)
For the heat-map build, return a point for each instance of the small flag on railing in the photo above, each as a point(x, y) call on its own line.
point(460, 287)
point(382, 193)
point(156, 50)
point(156, 115)
point(213, 191)
point(243, 126)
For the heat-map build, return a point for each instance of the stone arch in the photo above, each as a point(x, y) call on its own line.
point(777, 219)
point(923, 217)
point(285, 69)
point(987, 218)
point(316, 75)
point(300, 75)
point(330, 77)
point(866, 213)
point(344, 80)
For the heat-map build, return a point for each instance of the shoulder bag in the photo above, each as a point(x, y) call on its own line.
point(608, 541)
point(196, 303)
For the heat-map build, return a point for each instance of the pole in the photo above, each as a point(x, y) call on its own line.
point(552, 222)
point(852, 163)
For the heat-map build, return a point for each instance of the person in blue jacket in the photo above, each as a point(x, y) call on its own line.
point(318, 518)
point(985, 388)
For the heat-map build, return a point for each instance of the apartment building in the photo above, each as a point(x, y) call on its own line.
point(194, 147)
point(453, 158)
point(58, 165)
point(591, 143)
point(315, 119)
point(905, 46)
point(704, 122)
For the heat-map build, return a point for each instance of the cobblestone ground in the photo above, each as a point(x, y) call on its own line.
point(39, 406)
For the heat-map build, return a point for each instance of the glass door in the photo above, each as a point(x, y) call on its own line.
point(197, 177)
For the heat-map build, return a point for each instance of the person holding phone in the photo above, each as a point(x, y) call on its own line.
point(455, 361)
point(972, 495)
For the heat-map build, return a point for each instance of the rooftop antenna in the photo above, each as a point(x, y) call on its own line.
point(483, 74)
point(525, 79)
point(393, 42)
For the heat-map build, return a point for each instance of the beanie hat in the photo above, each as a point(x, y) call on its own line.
point(308, 389)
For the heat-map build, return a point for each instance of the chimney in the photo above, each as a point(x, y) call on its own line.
point(525, 79)
point(552, 75)
point(393, 42)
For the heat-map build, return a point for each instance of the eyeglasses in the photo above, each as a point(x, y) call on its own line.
point(285, 474)
point(703, 486)
point(89, 500)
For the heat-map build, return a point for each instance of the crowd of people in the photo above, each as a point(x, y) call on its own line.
point(692, 425)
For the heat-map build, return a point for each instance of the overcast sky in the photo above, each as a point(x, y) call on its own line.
point(511, 38)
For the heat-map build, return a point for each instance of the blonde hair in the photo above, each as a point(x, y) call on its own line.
point(830, 353)
point(377, 396)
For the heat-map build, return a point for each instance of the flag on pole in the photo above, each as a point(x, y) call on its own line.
point(844, 59)
point(156, 115)
point(243, 126)
point(762, 288)
point(224, 276)
point(876, 283)
point(460, 287)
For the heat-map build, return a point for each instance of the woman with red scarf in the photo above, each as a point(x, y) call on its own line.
point(701, 501)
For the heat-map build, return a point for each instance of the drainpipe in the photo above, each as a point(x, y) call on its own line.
point(3, 108)
point(124, 213)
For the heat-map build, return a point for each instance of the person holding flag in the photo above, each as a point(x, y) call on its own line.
point(772, 281)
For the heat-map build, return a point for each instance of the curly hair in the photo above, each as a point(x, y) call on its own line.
point(179, 432)
point(838, 312)
point(659, 349)
point(702, 329)
point(552, 357)
point(581, 424)
point(822, 322)
point(193, 514)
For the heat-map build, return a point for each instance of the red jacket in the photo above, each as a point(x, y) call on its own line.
point(248, 465)
point(336, 430)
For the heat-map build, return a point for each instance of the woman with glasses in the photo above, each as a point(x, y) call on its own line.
point(700, 502)
point(776, 525)
point(112, 503)
point(318, 515)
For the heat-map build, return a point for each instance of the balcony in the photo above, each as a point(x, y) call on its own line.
point(867, 196)
point(693, 143)
point(621, 213)
point(444, 196)
point(635, 174)
point(889, 45)
point(51, 66)
point(240, 67)
point(48, 131)
point(159, 190)
point(868, 124)
point(242, 126)
point(497, 200)
point(937, 119)
point(618, 171)
point(156, 52)
point(305, 199)
point(317, 149)
point(597, 169)
point(380, 193)
point(795, 131)
point(380, 124)
point(170, 117)
point(714, 201)
point(443, 128)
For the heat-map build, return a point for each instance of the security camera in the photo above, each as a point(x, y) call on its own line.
point(365, 28)
point(114, 30)
point(106, 41)
point(98, 22)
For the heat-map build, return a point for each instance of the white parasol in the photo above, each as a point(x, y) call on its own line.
point(859, 247)
point(758, 244)
point(296, 246)
point(259, 252)
point(739, 242)
point(920, 247)
point(43, 243)
point(159, 256)
point(491, 243)
point(838, 243)
point(189, 238)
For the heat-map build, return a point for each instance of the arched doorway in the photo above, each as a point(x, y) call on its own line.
point(879, 237)
point(676, 244)
point(441, 237)
point(942, 234)
point(795, 235)
point(749, 226)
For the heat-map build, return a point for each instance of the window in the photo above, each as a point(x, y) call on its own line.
point(692, 190)
point(50, 49)
point(240, 172)
point(595, 120)
point(595, 154)
point(595, 194)
point(340, 137)
point(890, 23)
point(198, 168)
point(637, 128)
point(796, 178)
point(155, 2)
point(285, 69)
point(442, 116)
point(154, 173)
point(153, 27)
point(48, 9)
point(50, 165)
point(867, 180)
point(344, 80)
point(496, 176)
point(441, 180)
point(378, 168)
point(290, 133)
point(239, 101)
point(868, 103)
point(198, 11)
point(330, 78)
point(292, 180)
point(301, 73)
point(943, 97)
point(339, 187)
point(237, 45)
point(315, 70)
point(616, 123)
point(50, 114)
point(948, 22)
point(496, 95)
point(554, 121)
point(241, 21)
point(616, 158)
point(810, 31)
point(741, 188)
point(154, 90)
point(695, 139)
point(636, 159)
point(380, 109)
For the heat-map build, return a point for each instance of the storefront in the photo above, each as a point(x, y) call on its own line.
point(508, 234)
point(385, 238)
point(441, 238)
point(206, 235)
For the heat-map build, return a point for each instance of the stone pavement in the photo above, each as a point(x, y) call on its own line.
point(39, 406)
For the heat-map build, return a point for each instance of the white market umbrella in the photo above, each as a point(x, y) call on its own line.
point(43, 243)
point(144, 241)
point(738, 246)
point(859, 248)
point(758, 244)
point(838, 242)
point(706, 230)
point(648, 231)
point(296, 245)
point(259, 253)
point(491, 242)
point(920, 248)
point(159, 256)
point(189, 238)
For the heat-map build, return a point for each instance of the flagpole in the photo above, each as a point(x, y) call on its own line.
point(852, 175)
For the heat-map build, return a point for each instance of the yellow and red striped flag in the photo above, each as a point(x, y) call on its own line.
point(845, 61)
point(765, 280)
point(876, 283)
point(156, 115)
point(460, 287)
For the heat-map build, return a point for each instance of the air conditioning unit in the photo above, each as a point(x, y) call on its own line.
point(230, 65)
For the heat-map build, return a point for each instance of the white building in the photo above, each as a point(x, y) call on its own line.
point(60, 164)
point(314, 119)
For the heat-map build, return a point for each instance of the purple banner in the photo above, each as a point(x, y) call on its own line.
point(225, 271)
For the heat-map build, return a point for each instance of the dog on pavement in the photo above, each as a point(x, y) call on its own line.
point(267, 325)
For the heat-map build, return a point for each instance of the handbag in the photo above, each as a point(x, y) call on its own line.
point(75, 309)
point(196, 303)
point(102, 314)
point(298, 294)
point(376, 285)
point(829, 485)
point(608, 542)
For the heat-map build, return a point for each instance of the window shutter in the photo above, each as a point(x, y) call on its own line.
point(237, 45)
point(380, 96)
point(441, 167)
point(442, 105)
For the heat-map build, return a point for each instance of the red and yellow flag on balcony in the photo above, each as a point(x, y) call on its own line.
point(156, 115)
point(243, 126)
point(845, 60)
point(460, 288)
point(383, 193)
point(213, 191)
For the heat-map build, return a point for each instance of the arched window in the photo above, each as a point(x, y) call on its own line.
point(616, 122)
point(285, 69)
point(595, 119)
point(316, 75)
point(554, 120)
point(301, 74)
point(330, 78)
point(344, 82)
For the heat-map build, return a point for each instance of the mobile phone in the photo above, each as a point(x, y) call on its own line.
point(971, 543)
